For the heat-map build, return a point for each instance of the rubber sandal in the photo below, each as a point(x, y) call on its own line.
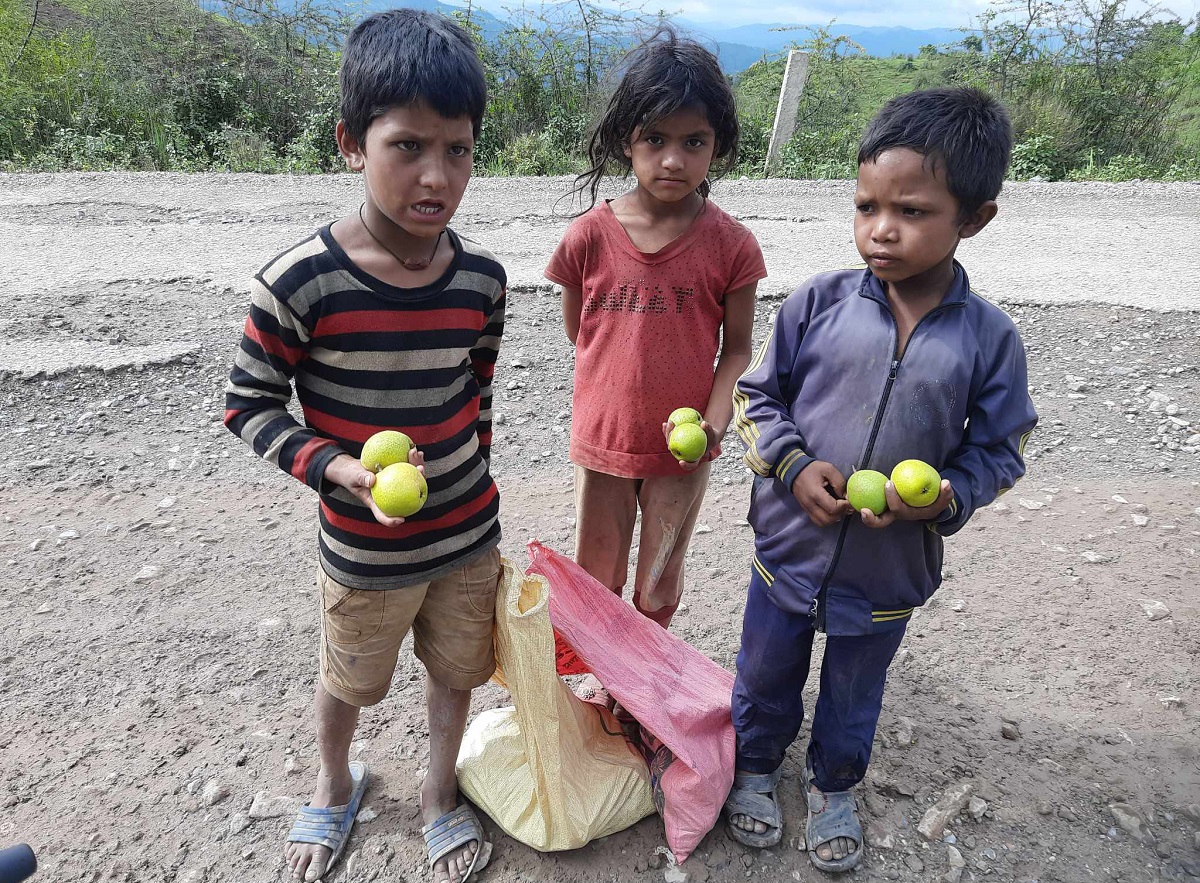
point(753, 795)
point(454, 829)
point(330, 826)
point(832, 814)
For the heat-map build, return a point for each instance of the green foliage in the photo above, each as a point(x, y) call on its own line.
point(843, 89)
point(1132, 168)
point(544, 84)
point(540, 153)
point(1036, 156)
point(821, 154)
point(1096, 89)
point(1090, 85)
point(757, 91)
point(159, 84)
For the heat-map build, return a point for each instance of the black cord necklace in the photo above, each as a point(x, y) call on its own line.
point(411, 264)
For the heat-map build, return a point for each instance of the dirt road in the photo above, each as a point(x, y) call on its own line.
point(157, 600)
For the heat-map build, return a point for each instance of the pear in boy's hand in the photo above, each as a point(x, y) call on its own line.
point(399, 490)
point(681, 416)
point(688, 442)
point(385, 448)
point(917, 483)
point(866, 489)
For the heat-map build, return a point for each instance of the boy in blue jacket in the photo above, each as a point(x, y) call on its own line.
point(863, 369)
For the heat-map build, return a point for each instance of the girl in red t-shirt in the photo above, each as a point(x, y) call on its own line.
point(655, 283)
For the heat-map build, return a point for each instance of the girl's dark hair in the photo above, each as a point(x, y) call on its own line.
point(965, 130)
point(664, 74)
point(395, 58)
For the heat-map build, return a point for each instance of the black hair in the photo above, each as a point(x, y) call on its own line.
point(664, 74)
point(965, 130)
point(395, 58)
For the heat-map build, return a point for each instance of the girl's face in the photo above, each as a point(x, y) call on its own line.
point(671, 157)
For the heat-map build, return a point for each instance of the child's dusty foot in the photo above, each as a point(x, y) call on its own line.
point(835, 813)
point(837, 848)
point(436, 802)
point(752, 810)
point(748, 823)
point(307, 861)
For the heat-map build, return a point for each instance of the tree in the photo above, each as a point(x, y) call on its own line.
point(1095, 77)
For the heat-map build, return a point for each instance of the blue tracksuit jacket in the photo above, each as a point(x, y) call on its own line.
point(829, 384)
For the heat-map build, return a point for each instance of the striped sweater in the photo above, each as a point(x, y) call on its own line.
point(364, 356)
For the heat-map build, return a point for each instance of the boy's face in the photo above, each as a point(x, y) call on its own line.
point(907, 223)
point(416, 165)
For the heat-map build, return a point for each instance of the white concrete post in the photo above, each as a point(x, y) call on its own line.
point(794, 76)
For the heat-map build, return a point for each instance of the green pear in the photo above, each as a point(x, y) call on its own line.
point(400, 490)
point(385, 448)
point(681, 416)
point(688, 442)
point(865, 490)
point(917, 483)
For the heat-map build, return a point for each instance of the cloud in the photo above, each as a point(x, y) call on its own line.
point(895, 13)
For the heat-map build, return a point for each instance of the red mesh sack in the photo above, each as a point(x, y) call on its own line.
point(678, 695)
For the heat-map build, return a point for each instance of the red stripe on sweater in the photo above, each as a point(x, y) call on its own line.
point(375, 530)
point(272, 345)
point(421, 435)
point(398, 320)
point(483, 370)
point(305, 455)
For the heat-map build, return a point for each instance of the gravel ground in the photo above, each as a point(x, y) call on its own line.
point(158, 608)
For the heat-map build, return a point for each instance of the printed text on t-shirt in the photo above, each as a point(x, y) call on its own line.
point(639, 298)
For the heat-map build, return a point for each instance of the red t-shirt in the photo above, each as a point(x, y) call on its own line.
point(649, 331)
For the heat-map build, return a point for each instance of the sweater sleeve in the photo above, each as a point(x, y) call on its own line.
point(990, 459)
point(274, 341)
point(763, 395)
point(483, 366)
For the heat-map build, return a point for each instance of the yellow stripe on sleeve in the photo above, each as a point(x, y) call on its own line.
point(762, 571)
point(898, 616)
point(786, 463)
point(745, 426)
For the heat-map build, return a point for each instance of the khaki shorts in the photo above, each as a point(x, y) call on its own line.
point(451, 619)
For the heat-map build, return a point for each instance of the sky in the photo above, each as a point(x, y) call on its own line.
point(916, 14)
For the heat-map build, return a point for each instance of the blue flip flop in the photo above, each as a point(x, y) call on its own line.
point(832, 814)
point(455, 829)
point(753, 795)
point(330, 826)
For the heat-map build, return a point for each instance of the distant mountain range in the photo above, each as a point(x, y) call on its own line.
point(737, 47)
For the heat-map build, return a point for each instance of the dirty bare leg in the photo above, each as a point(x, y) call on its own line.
point(336, 721)
point(605, 508)
point(448, 710)
point(670, 508)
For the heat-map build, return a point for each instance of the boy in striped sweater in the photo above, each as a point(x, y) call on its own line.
point(387, 319)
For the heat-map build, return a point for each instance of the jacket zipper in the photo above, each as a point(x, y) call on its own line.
point(819, 602)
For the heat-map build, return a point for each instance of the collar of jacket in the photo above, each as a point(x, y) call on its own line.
point(957, 295)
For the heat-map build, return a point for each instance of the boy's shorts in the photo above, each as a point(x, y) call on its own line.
point(451, 619)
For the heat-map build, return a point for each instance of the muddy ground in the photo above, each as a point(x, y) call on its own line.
point(157, 601)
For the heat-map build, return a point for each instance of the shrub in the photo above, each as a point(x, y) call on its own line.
point(1036, 156)
point(540, 153)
